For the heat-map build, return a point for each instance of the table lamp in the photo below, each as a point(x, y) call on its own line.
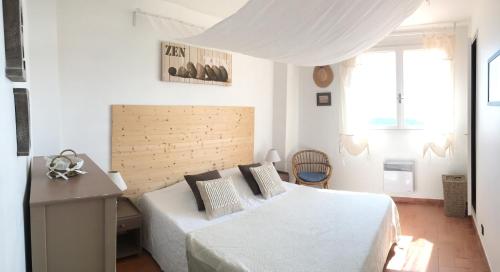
point(273, 156)
point(116, 177)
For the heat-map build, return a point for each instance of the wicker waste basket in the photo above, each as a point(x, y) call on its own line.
point(455, 195)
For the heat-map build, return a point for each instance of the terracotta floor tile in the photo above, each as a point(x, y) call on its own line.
point(454, 269)
point(464, 263)
point(455, 244)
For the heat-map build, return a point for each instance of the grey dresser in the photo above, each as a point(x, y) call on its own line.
point(73, 223)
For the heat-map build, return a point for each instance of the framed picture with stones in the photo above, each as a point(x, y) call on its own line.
point(189, 64)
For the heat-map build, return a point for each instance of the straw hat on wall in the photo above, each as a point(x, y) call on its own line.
point(323, 76)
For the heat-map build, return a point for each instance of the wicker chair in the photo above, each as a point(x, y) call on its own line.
point(312, 168)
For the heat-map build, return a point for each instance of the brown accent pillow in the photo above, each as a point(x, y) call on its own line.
point(192, 179)
point(245, 171)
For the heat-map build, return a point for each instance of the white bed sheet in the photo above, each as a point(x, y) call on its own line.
point(171, 213)
point(307, 230)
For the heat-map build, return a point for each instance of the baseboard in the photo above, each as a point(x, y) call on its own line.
point(421, 201)
point(481, 237)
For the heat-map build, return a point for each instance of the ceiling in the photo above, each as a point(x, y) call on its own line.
point(438, 11)
point(431, 11)
point(216, 8)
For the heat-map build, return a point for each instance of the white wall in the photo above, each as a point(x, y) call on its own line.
point(45, 95)
point(319, 129)
point(280, 112)
point(103, 60)
point(286, 113)
point(292, 114)
point(12, 177)
point(487, 23)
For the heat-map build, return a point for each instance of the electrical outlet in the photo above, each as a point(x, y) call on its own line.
point(482, 230)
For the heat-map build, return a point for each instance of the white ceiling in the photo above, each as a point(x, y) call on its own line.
point(217, 8)
point(438, 11)
point(434, 12)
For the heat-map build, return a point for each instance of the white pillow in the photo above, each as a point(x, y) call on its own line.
point(219, 197)
point(268, 179)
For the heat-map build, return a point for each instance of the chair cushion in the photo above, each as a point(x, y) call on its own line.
point(312, 176)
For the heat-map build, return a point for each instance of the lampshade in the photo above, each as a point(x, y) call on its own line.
point(116, 177)
point(273, 156)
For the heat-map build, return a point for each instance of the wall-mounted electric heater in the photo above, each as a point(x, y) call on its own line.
point(399, 176)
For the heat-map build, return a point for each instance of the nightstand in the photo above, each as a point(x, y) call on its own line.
point(284, 176)
point(128, 229)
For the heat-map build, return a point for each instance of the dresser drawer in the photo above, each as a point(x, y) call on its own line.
point(128, 224)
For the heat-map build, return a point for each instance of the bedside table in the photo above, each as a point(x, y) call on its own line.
point(128, 229)
point(284, 175)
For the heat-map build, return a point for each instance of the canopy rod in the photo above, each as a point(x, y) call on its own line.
point(431, 26)
point(138, 11)
point(436, 28)
point(419, 33)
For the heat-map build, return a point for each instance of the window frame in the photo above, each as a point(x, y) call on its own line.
point(399, 50)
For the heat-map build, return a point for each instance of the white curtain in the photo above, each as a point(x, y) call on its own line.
point(353, 122)
point(307, 33)
point(441, 42)
point(440, 145)
point(439, 128)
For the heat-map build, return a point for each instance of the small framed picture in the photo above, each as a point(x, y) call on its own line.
point(324, 99)
point(494, 80)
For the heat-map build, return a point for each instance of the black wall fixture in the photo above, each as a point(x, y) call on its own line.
point(21, 102)
point(15, 68)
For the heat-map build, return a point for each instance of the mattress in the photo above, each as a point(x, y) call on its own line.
point(304, 229)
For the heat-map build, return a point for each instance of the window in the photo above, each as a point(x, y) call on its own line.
point(402, 88)
point(373, 88)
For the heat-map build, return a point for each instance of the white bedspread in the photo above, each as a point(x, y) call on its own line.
point(307, 230)
point(171, 213)
point(304, 229)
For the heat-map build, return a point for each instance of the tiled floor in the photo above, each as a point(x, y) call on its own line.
point(430, 242)
point(143, 263)
point(433, 242)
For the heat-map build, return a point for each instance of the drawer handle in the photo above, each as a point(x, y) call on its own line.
point(122, 225)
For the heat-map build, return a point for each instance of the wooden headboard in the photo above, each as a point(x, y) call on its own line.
point(155, 146)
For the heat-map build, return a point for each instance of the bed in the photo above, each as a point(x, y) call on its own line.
point(303, 229)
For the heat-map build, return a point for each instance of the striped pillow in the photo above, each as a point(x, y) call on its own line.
point(269, 180)
point(219, 197)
